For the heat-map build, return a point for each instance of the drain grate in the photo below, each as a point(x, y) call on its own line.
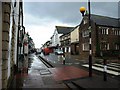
point(45, 72)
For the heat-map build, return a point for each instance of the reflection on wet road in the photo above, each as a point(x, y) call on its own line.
point(58, 59)
point(36, 65)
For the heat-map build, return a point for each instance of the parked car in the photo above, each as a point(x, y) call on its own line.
point(38, 52)
point(59, 52)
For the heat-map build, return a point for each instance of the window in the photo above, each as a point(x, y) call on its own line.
point(67, 49)
point(108, 46)
point(85, 46)
point(105, 31)
point(113, 28)
point(116, 32)
point(85, 21)
point(105, 46)
point(113, 31)
point(116, 47)
point(85, 33)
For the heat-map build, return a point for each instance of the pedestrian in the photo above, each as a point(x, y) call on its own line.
point(63, 59)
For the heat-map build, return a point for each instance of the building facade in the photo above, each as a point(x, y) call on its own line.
point(65, 43)
point(59, 31)
point(105, 33)
point(55, 38)
point(74, 35)
point(9, 23)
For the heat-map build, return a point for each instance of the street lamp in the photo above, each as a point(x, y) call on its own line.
point(82, 10)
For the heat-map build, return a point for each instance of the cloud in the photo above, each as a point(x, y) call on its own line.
point(68, 0)
point(63, 12)
point(42, 17)
point(68, 12)
point(41, 32)
point(105, 8)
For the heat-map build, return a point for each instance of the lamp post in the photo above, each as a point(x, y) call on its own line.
point(82, 10)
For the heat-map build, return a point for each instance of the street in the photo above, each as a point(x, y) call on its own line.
point(39, 74)
point(57, 60)
point(61, 76)
point(50, 45)
point(113, 70)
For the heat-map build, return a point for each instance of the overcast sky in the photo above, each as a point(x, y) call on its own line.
point(41, 17)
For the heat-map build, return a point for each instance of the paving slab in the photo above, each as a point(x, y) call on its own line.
point(67, 73)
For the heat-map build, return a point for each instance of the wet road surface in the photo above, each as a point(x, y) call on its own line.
point(39, 76)
point(57, 60)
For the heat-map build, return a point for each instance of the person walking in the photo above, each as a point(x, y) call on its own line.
point(63, 58)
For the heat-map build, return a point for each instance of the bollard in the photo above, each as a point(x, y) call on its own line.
point(105, 70)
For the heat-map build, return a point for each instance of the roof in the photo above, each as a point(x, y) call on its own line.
point(105, 21)
point(64, 29)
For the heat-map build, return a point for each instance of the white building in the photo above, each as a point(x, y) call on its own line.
point(55, 38)
point(59, 31)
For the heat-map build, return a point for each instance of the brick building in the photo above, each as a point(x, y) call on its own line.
point(105, 33)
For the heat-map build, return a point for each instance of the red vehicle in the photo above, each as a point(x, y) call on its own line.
point(48, 50)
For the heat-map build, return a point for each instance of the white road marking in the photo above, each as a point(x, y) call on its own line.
point(101, 69)
point(107, 67)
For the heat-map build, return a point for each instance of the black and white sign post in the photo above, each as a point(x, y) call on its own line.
point(82, 10)
point(105, 69)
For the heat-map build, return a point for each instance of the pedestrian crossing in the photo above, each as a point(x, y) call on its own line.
point(112, 68)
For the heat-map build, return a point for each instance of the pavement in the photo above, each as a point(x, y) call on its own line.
point(96, 82)
point(42, 77)
point(38, 76)
point(87, 82)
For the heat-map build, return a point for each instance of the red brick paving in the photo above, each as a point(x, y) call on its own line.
point(68, 72)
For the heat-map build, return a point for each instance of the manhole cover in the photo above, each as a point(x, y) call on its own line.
point(45, 72)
